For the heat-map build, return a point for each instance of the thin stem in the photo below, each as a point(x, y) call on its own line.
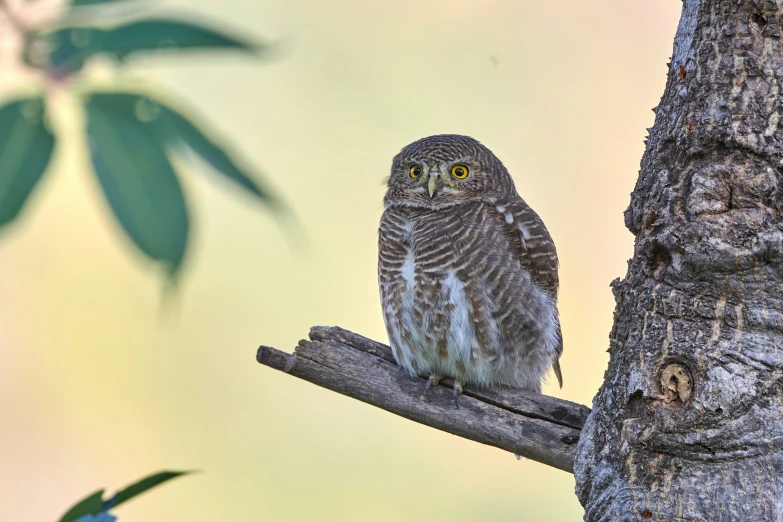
point(16, 23)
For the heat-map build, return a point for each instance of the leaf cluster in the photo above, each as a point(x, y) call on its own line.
point(132, 136)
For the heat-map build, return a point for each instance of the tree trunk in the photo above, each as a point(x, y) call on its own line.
point(688, 424)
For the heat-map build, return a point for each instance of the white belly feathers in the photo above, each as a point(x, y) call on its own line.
point(421, 352)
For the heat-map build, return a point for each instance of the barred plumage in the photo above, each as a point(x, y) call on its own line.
point(467, 270)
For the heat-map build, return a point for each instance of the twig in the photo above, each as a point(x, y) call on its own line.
point(15, 22)
point(539, 427)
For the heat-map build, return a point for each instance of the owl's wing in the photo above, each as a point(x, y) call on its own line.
point(537, 252)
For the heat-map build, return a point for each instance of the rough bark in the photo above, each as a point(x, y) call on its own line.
point(688, 424)
point(535, 426)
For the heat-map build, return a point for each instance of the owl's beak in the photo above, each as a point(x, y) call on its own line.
point(431, 186)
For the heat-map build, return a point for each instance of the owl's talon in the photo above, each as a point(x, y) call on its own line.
point(432, 381)
point(457, 393)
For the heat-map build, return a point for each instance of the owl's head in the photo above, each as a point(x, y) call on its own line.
point(445, 170)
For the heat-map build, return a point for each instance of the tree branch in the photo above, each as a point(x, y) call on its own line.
point(541, 428)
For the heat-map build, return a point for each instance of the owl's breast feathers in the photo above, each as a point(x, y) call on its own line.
point(469, 292)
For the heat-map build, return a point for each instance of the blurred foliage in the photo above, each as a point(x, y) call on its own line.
point(93, 508)
point(132, 136)
point(72, 46)
point(25, 148)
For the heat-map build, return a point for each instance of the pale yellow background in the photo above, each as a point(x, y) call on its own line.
point(98, 387)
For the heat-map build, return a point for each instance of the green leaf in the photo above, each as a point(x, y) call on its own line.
point(25, 149)
point(142, 486)
point(90, 505)
point(71, 47)
point(157, 35)
point(175, 130)
point(137, 178)
point(188, 134)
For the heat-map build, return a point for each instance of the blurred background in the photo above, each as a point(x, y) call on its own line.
point(102, 383)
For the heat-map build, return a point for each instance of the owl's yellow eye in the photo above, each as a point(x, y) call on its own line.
point(415, 171)
point(460, 171)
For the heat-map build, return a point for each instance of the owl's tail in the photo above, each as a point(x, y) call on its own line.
point(558, 373)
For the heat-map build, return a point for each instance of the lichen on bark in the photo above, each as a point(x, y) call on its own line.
point(703, 296)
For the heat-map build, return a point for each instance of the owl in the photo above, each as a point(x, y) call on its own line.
point(467, 270)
